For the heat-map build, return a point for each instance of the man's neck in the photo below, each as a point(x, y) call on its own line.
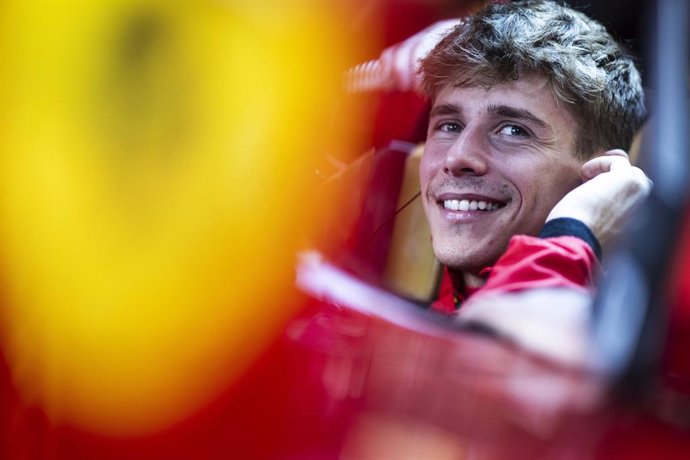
point(466, 280)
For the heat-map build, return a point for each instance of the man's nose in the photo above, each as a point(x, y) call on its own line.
point(468, 154)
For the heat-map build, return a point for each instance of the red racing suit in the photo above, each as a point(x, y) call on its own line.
point(565, 254)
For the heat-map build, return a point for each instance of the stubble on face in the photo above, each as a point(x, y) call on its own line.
point(472, 246)
point(526, 174)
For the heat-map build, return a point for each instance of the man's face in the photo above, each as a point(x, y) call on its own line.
point(496, 162)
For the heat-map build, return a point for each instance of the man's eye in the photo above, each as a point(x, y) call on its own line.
point(513, 130)
point(449, 126)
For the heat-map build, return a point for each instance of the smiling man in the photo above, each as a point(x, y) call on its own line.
point(525, 176)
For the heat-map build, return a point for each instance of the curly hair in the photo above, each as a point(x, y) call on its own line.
point(588, 71)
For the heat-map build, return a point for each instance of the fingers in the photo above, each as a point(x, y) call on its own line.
point(608, 161)
point(616, 161)
point(643, 179)
point(611, 189)
point(616, 152)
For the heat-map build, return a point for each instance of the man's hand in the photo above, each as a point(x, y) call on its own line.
point(611, 188)
point(400, 62)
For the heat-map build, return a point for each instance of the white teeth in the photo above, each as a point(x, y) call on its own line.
point(467, 205)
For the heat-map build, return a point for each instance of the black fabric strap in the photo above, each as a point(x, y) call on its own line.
point(566, 226)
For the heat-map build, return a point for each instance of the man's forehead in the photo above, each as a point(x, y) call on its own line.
point(530, 90)
point(533, 94)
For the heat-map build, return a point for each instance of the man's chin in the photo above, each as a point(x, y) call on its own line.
point(466, 260)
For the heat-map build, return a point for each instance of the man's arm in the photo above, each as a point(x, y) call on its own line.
point(537, 294)
point(611, 189)
point(582, 225)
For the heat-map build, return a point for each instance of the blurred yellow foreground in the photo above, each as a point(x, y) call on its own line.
point(157, 169)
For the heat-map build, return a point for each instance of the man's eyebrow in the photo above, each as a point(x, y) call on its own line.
point(444, 109)
point(514, 112)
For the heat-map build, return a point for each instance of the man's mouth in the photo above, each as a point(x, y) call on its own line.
point(472, 205)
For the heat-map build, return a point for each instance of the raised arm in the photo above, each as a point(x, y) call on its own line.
point(611, 189)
